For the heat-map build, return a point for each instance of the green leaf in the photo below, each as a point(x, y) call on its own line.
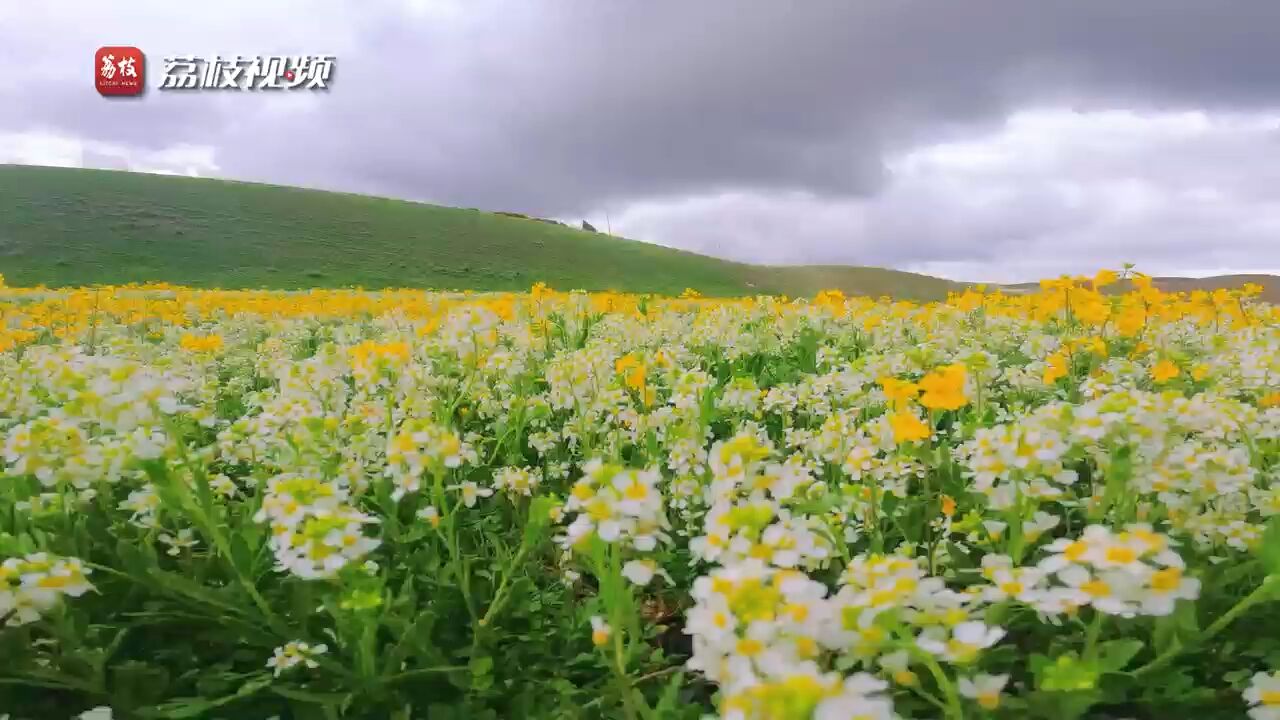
point(332, 699)
point(961, 560)
point(136, 684)
point(133, 559)
point(670, 695)
point(482, 665)
point(195, 591)
point(241, 555)
point(481, 673)
point(539, 518)
point(1270, 546)
point(196, 707)
point(1062, 705)
point(1172, 630)
point(1113, 655)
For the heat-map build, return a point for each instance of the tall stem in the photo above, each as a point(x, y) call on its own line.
point(953, 708)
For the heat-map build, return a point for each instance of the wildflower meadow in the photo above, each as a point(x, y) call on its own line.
point(1056, 504)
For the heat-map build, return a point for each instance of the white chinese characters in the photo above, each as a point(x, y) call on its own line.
point(109, 66)
point(274, 72)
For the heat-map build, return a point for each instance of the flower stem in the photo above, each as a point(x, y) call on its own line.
point(952, 707)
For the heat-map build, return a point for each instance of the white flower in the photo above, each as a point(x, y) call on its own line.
point(1114, 593)
point(861, 697)
point(184, 539)
point(897, 663)
point(1263, 696)
point(521, 481)
point(639, 572)
point(430, 514)
point(966, 641)
point(1039, 524)
point(1020, 583)
point(983, 688)
point(712, 621)
point(471, 492)
point(1068, 551)
point(1164, 588)
point(295, 653)
point(600, 631)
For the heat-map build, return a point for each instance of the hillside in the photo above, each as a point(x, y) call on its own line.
point(71, 227)
point(1270, 284)
point(63, 227)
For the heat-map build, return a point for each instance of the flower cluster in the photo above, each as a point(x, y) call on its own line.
point(315, 531)
point(33, 584)
point(1132, 572)
point(616, 504)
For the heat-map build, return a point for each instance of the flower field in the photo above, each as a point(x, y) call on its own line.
point(400, 504)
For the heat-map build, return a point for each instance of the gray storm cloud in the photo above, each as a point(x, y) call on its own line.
point(784, 132)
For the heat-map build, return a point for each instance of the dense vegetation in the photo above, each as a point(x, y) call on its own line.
point(338, 504)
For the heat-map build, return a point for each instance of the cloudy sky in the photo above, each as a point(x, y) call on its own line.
point(984, 140)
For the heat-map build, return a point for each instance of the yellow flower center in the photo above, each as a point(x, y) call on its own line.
point(636, 491)
point(1121, 555)
point(1166, 580)
point(1096, 588)
point(798, 611)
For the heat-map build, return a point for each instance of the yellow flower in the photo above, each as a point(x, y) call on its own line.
point(944, 388)
point(948, 505)
point(197, 343)
point(632, 371)
point(897, 391)
point(1164, 371)
point(907, 427)
point(1055, 367)
point(1131, 321)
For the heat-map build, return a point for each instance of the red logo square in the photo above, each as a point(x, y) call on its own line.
point(119, 70)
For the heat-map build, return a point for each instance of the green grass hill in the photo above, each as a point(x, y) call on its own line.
point(61, 227)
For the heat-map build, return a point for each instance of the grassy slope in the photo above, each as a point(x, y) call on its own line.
point(76, 227)
point(67, 227)
point(1270, 284)
point(806, 280)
